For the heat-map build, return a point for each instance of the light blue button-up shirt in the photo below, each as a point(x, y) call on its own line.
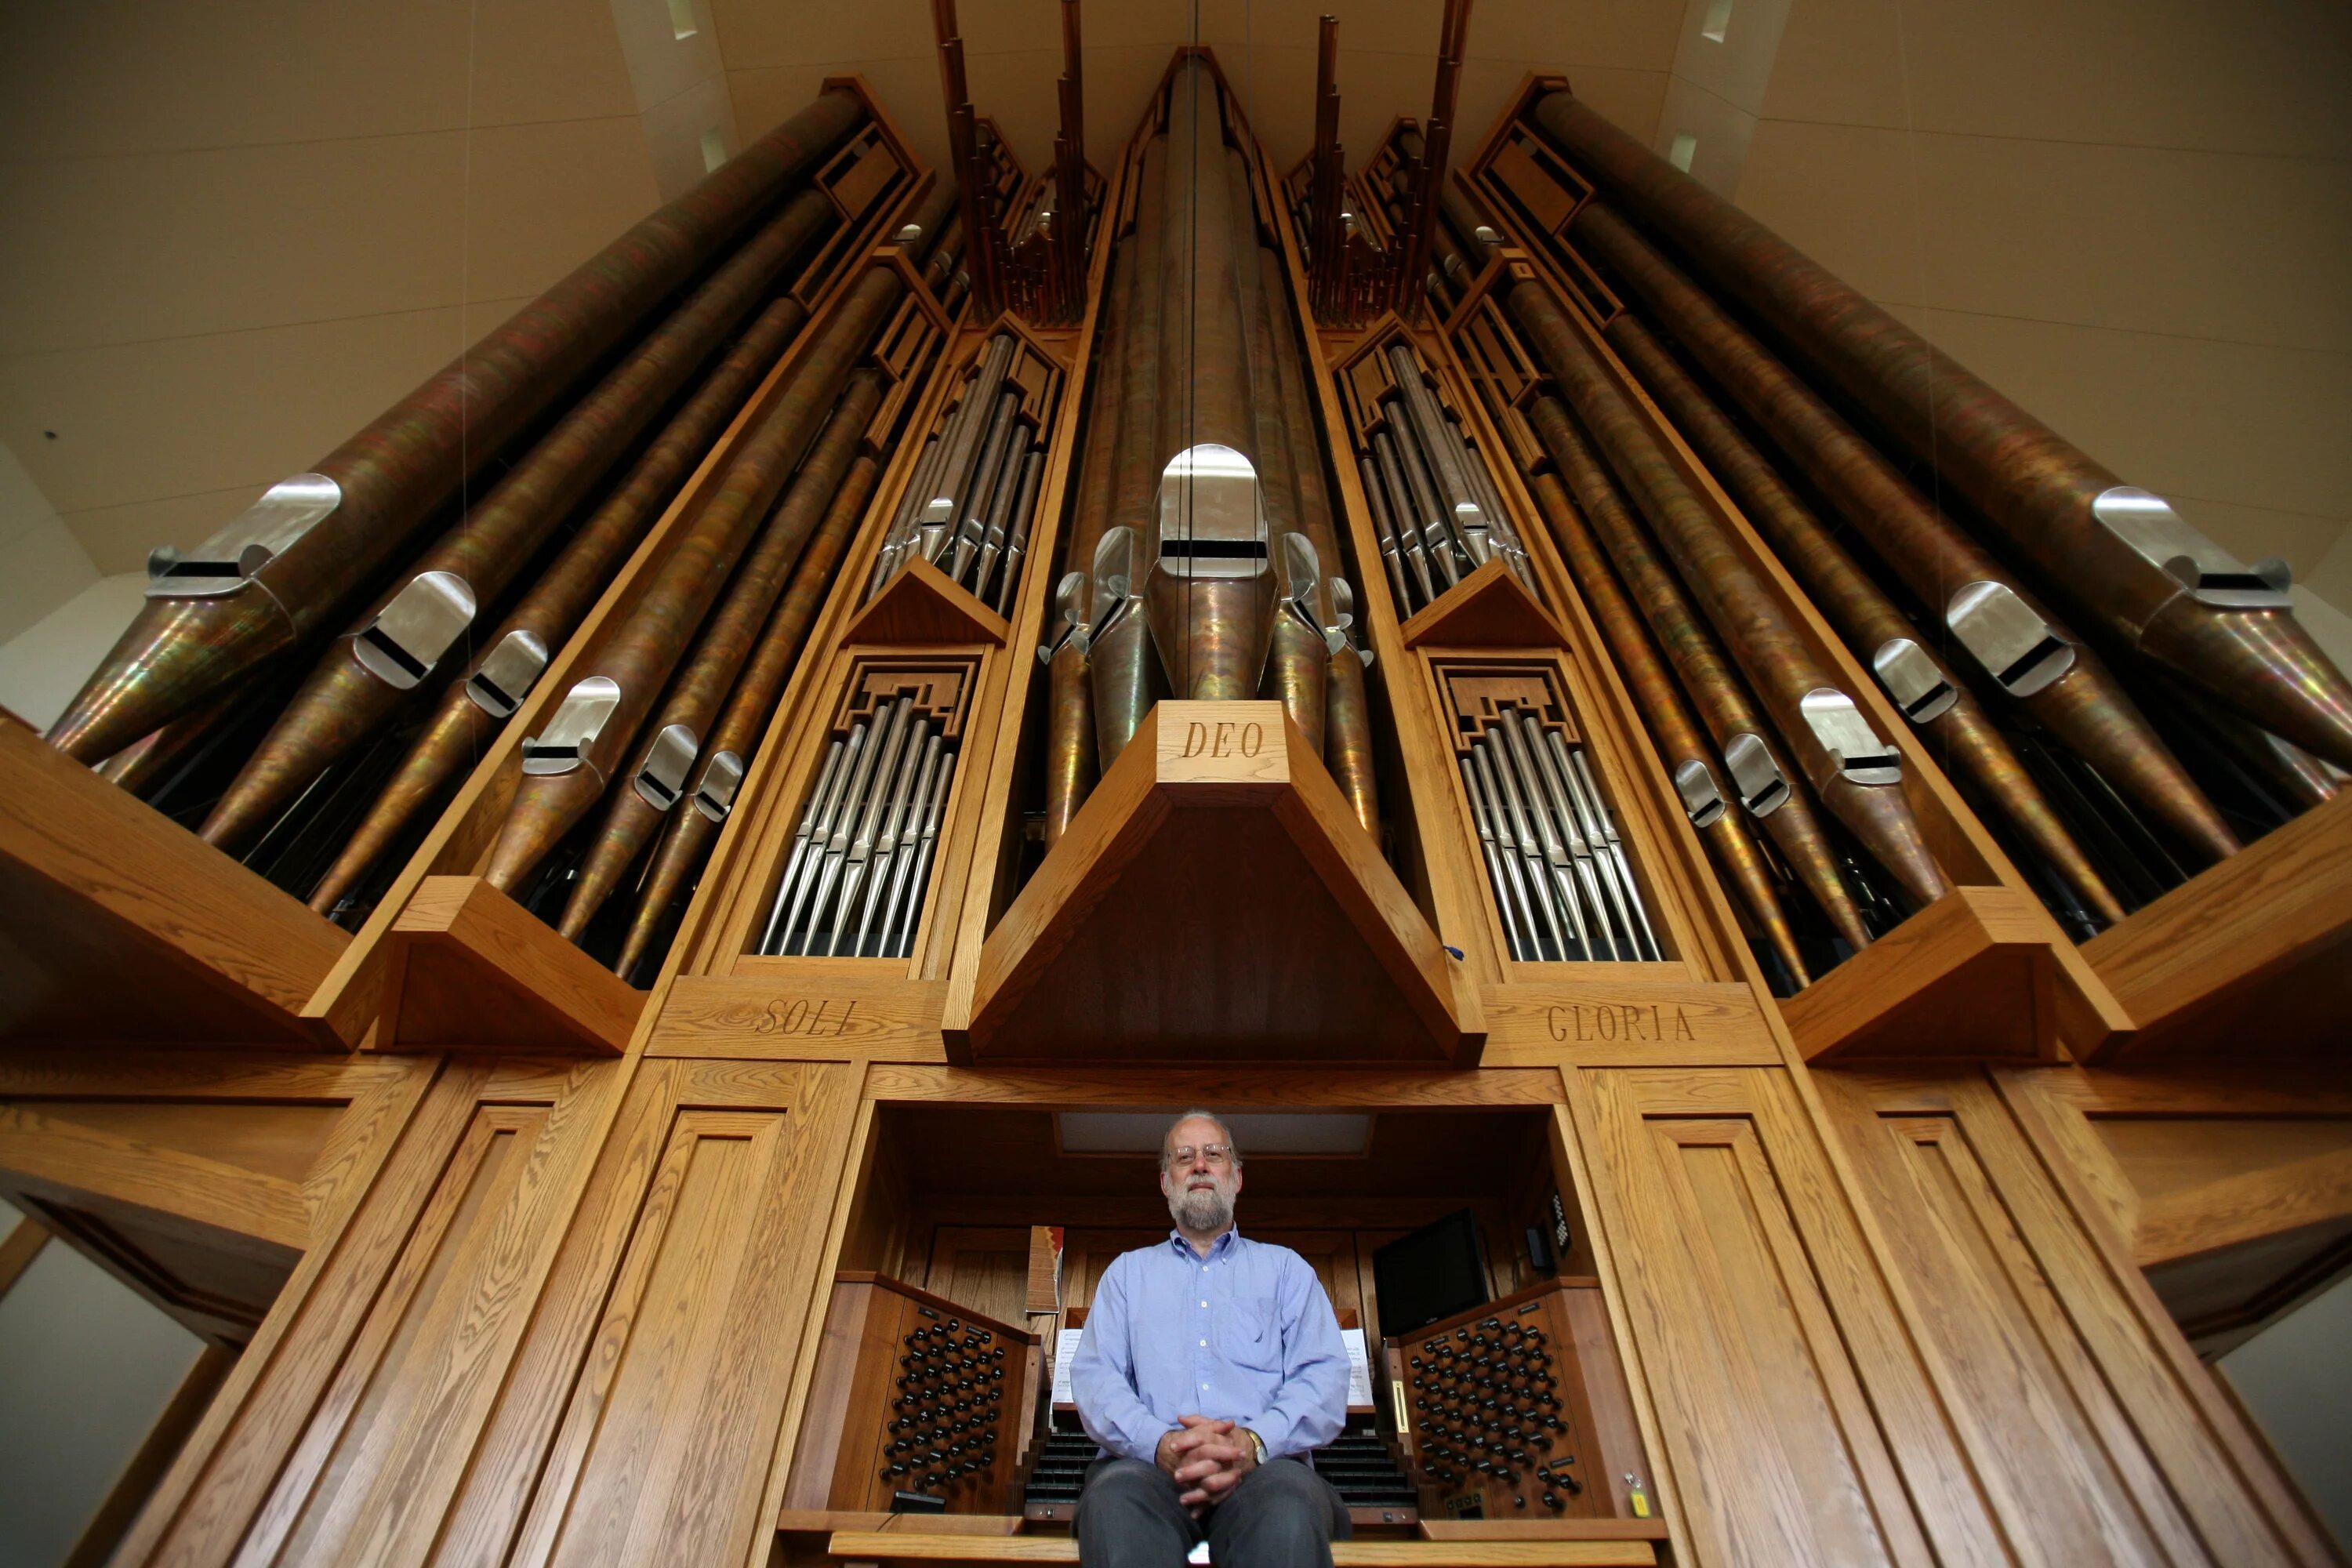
point(1245, 1335)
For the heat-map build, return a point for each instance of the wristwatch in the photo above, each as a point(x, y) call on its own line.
point(1253, 1437)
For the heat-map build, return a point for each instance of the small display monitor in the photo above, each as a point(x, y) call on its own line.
point(1437, 1271)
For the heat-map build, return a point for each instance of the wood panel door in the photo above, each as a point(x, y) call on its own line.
point(718, 1196)
point(350, 1424)
point(1795, 1419)
point(2096, 1434)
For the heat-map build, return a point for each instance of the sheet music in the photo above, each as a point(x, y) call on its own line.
point(1359, 1367)
point(1066, 1350)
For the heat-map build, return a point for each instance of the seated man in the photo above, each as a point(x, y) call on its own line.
point(1211, 1367)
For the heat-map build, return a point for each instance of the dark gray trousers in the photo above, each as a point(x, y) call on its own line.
point(1282, 1515)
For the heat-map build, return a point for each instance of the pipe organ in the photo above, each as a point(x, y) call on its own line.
point(642, 873)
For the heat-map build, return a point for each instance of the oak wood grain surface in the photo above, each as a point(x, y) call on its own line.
point(122, 925)
point(467, 967)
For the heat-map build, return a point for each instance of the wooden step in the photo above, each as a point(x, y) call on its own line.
point(909, 1544)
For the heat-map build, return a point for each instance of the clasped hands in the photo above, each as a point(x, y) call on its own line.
point(1207, 1458)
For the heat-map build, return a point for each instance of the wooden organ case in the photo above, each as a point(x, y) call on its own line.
point(613, 1165)
point(1518, 1409)
point(953, 1393)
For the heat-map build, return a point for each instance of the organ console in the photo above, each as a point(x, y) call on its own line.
point(1518, 1409)
point(920, 1405)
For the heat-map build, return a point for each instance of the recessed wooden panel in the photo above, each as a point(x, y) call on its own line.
point(1793, 1417)
point(349, 1426)
point(985, 1267)
point(378, 1393)
point(723, 1183)
point(2086, 1432)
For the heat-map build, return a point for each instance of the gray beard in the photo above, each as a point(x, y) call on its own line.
point(1203, 1213)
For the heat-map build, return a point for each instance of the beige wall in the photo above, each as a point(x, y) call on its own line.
point(1620, 52)
point(2135, 218)
point(238, 229)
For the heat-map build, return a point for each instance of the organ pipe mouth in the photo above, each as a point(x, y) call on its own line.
point(236, 554)
point(1912, 679)
point(564, 744)
point(2158, 535)
point(1756, 773)
point(1702, 797)
point(2007, 638)
point(1845, 734)
point(508, 673)
point(410, 634)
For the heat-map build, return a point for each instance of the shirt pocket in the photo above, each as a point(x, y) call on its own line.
point(1246, 1333)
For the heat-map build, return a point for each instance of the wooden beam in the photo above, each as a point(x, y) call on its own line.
point(2244, 1208)
point(65, 1158)
point(465, 966)
point(2259, 939)
point(120, 925)
point(16, 1253)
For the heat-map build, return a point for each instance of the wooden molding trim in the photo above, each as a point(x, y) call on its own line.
point(123, 926)
point(1971, 976)
point(465, 966)
point(1176, 912)
point(1489, 608)
point(2263, 936)
point(921, 605)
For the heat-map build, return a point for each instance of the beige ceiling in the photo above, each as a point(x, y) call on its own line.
point(237, 228)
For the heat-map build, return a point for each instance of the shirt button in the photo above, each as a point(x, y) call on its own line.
point(1204, 1344)
point(1204, 1304)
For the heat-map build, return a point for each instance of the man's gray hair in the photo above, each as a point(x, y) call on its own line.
point(1167, 1147)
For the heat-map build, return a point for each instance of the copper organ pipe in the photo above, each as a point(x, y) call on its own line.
point(2142, 575)
point(1696, 772)
point(567, 766)
point(1761, 781)
point(693, 828)
point(657, 780)
point(372, 673)
point(1855, 771)
point(1989, 611)
point(1454, 31)
point(288, 568)
point(510, 658)
point(1935, 700)
point(1203, 556)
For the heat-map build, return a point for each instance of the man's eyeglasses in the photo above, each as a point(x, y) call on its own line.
point(1212, 1153)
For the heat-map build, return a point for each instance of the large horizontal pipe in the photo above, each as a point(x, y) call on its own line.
point(567, 766)
point(2062, 683)
point(1696, 773)
point(1761, 781)
point(509, 663)
point(372, 673)
point(1932, 697)
point(2143, 576)
point(273, 579)
point(694, 828)
point(656, 782)
point(1855, 771)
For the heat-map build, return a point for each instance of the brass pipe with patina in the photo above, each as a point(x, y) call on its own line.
point(2138, 573)
point(290, 568)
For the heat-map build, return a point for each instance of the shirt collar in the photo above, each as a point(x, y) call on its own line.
point(1224, 1243)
